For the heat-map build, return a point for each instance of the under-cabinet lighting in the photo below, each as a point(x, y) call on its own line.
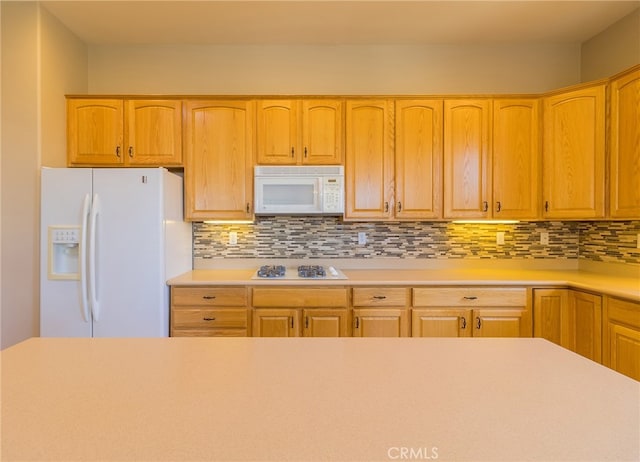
point(486, 222)
point(229, 222)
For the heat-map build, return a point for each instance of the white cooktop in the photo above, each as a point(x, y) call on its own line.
point(291, 273)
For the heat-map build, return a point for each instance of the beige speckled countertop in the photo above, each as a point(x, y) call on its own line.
point(312, 399)
point(627, 286)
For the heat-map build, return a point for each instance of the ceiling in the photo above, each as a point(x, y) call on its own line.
point(329, 22)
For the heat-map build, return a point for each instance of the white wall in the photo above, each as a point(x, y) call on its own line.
point(36, 73)
point(613, 50)
point(331, 69)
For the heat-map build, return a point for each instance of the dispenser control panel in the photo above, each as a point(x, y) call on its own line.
point(64, 252)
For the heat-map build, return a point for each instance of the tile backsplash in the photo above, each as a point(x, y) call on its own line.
point(329, 237)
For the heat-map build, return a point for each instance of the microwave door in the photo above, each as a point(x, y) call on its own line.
point(288, 195)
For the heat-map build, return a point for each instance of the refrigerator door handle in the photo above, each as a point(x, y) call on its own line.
point(83, 257)
point(93, 292)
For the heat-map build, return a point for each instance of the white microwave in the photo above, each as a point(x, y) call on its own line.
point(299, 190)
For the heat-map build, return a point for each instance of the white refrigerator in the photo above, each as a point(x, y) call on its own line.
point(110, 239)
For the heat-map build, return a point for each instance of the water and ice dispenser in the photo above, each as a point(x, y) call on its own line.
point(64, 252)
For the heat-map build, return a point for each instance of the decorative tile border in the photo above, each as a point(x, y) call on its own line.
point(329, 237)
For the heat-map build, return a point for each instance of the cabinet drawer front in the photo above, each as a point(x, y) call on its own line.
point(307, 297)
point(470, 296)
point(209, 296)
point(384, 296)
point(210, 333)
point(203, 319)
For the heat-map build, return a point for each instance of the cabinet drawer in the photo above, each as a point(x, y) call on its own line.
point(383, 296)
point(209, 296)
point(210, 333)
point(300, 298)
point(470, 296)
point(208, 319)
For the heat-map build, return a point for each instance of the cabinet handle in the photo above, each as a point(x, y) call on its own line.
point(357, 322)
point(209, 297)
point(306, 322)
point(292, 322)
point(386, 206)
point(118, 151)
point(305, 151)
point(546, 206)
point(464, 323)
point(498, 206)
point(478, 323)
point(130, 151)
point(473, 297)
point(248, 207)
point(399, 206)
point(293, 152)
point(208, 319)
point(379, 297)
point(485, 206)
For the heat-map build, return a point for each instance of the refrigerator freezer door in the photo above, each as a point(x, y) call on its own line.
point(129, 254)
point(62, 197)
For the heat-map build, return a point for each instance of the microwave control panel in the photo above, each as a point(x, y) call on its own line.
point(333, 195)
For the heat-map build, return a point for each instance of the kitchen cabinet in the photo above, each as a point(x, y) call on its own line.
point(369, 159)
point(467, 131)
point(209, 312)
point(381, 312)
point(472, 312)
point(574, 153)
point(621, 336)
point(278, 311)
point(418, 160)
point(117, 132)
point(624, 148)
point(218, 171)
point(570, 318)
point(308, 132)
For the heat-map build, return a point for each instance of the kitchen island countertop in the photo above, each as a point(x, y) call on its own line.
point(621, 286)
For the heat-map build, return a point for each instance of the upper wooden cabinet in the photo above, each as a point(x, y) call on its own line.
point(418, 159)
point(369, 159)
point(574, 154)
point(467, 171)
point(219, 146)
point(624, 168)
point(116, 132)
point(291, 132)
point(515, 158)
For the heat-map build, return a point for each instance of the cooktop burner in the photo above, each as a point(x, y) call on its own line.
point(311, 271)
point(272, 271)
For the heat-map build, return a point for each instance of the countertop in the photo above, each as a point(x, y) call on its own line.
point(611, 284)
point(265, 399)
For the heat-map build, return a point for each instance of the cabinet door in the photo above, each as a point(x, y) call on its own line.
point(375, 322)
point(219, 160)
point(326, 322)
point(499, 323)
point(573, 154)
point(277, 132)
point(585, 314)
point(515, 161)
point(418, 159)
point(551, 315)
point(621, 336)
point(95, 132)
point(444, 322)
point(322, 132)
point(276, 323)
point(369, 159)
point(625, 146)
point(467, 173)
point(153, 133)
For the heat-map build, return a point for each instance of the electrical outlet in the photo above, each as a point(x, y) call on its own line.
point(362, 238)
point(233, 238)
point(544, 238)
point(500, 238)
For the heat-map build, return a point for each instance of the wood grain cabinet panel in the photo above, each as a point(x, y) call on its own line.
point(621, 336)
point(218, 171)
point(574, 154)
point(624, 171)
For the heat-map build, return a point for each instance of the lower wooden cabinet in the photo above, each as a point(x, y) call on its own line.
point(327, 322)
point(621, 336)
point(209, 312)
point(277, 322)
point(471, 312)
point(381, 312)
point(569, 318)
